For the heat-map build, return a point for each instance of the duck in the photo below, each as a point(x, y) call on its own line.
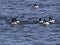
point(36, 6)
point(51, 20)
point(14, 21)
point(40, 20)
point(45, 22)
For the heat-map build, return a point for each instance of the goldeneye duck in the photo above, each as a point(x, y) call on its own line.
point(40, 20)
point(45, 22)
point(14, 21)
point(51, 20)
point(36, 6)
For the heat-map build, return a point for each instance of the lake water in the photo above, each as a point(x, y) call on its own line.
point(29, 34)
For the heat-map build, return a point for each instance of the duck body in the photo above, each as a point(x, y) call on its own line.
point(40, 20)
point(15, 21)
point(36, 6)
point(51, 20)
point(45, 22)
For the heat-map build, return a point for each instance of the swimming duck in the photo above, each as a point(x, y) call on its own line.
point(51, 20)
point(40, 20)
point(14, 21)
point(36, 6)
point(45, 22)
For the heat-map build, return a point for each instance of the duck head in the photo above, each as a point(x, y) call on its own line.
point(40, 19)
point(14, 20)
point(50, 18)
point(35, 4)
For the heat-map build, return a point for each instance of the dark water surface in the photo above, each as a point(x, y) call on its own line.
point(29, 34)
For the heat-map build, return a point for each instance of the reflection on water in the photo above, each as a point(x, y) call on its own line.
point(29, 32)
